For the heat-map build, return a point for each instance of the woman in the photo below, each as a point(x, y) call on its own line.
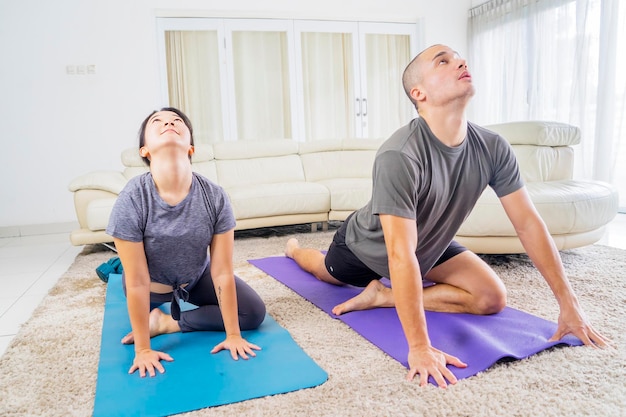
point(174, 233)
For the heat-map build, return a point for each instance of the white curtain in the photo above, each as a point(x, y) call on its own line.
point(331, 92)
point(261, 79)
point(194, 82)
point(262, 95)
point(328, 85)
point(555, 60)
point(259, 83)
point(388, 107)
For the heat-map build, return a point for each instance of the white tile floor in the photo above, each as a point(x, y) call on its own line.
point(32, 265)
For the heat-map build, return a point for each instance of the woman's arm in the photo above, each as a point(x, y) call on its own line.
point(137, 279)
point(133, 258)
point(222, 273)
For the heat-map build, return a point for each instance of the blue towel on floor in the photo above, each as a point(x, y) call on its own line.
point(196, 379)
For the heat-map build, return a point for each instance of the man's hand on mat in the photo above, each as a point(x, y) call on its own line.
point(571, 320)
point(428, 361)
point(147, 360)
point(238, 346)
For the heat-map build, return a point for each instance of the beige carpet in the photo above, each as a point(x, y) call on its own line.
point(50, 367)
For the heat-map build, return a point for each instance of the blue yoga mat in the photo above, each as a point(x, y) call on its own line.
point(479, 341)
point(196, 379)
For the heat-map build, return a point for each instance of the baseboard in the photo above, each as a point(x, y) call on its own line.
point(37, 229)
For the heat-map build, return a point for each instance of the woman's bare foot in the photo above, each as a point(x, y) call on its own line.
point(292, 245)
point(373, 296)
point(160, 323)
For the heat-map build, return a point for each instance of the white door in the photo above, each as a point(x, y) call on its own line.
point(256, 79)
point(385, 51)
point(350, 78)
point(193, 74)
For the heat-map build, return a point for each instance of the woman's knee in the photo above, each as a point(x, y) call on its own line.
point(251, 307)
point(251, 315)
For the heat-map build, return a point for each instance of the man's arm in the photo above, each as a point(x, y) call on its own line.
point(541, 249)
point(406, 283)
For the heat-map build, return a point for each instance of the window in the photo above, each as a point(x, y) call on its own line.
point(556, 60)
point(352, 77)
point(252, 79)
point(198, 95)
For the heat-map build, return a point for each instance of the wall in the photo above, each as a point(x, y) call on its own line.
point(56, 126)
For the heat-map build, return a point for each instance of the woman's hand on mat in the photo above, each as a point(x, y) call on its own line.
point(147, 360)
point(428, 361)
point(238, 346)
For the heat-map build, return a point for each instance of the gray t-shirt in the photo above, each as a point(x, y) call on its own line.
point(176, 238)
point(417, 177)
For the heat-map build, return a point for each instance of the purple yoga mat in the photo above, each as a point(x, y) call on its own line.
point(479, 341)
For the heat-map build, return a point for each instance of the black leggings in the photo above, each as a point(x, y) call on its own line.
point(208, 316)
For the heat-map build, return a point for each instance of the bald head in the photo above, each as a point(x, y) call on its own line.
point(413, 75)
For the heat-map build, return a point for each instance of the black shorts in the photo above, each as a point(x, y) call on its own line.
point(344, 266)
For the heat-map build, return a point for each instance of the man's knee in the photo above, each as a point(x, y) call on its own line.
point(323, 274)
point(492, 302)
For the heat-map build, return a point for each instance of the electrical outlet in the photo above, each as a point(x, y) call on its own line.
point(80, 69)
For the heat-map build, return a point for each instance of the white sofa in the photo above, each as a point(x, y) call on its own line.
point(575, 211)
point(281, 182)
point(269, 183)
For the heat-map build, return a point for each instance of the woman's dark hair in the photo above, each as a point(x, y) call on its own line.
point(142, 129)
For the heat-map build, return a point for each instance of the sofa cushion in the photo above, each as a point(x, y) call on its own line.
point(354, 144)
point(348, 193)
point(242, 164)
point(203, 162)
point(538, 133)
point(565, 206)
point(278, 199)
point(111, 181)
point(133, 163)
point(254, 149)
point(544, 163)
point(323, 160)
point(130, 158)
point(259, 171)
point(338, 164)
point(206, 169)
point(98, 213)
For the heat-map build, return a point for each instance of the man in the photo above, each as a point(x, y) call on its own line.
point(426, 179)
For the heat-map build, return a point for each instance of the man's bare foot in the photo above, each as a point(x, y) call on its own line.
point(160, 323)
point(292, 245)
point(373, 296)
